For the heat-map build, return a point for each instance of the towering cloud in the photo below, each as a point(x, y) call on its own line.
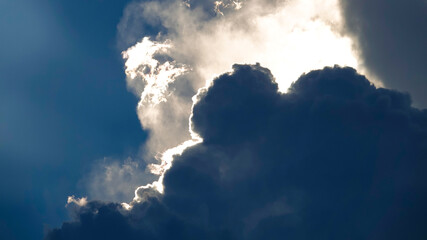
point(333, 158)
point(185, 44)
point(249, 156)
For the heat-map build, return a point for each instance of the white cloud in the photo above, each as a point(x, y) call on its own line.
point(78, 201)
point(288, 37)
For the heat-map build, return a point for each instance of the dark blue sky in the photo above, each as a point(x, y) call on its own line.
point(63, 105)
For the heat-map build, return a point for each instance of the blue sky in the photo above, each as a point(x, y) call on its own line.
point(64, 104)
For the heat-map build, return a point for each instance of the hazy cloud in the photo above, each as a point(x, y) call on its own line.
point(115, 180)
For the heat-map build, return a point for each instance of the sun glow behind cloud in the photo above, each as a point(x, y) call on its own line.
point(290, 38)
point(297, 37)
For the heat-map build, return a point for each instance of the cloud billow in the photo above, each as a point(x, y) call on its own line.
point(333, 158)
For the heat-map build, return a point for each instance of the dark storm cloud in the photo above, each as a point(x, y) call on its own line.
point(392, 36)
point(334, 158)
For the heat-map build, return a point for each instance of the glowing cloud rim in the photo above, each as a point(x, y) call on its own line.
point(296, 37)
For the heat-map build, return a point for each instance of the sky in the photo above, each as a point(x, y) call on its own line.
point(64, 106)
point(200, 119)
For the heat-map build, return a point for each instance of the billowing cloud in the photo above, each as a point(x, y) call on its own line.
point(334, 158)
point(185, 44)
point(391, 36)
point(245, 156)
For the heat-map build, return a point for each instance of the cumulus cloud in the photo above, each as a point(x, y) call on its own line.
point(333, 158)
point(185, 44)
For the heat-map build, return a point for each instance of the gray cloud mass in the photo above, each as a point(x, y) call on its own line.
point(333, 158)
